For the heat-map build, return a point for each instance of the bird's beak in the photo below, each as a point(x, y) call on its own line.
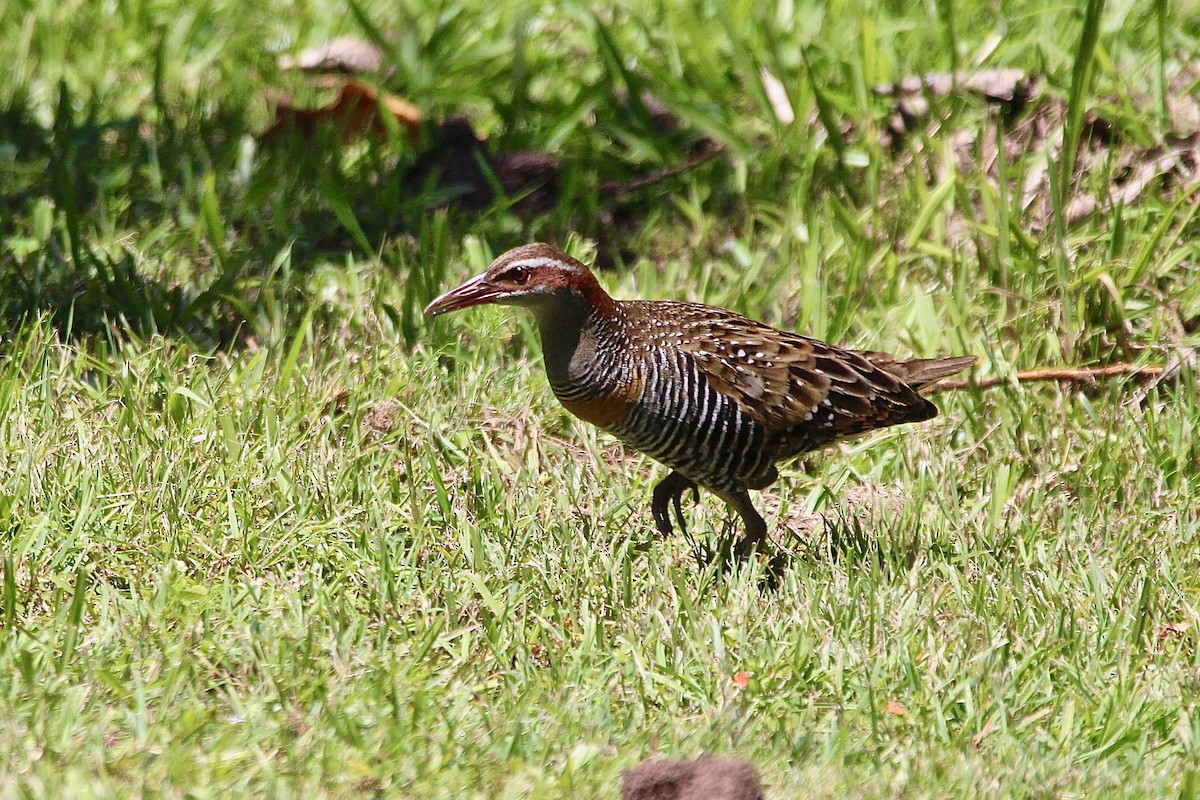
point(475, 292)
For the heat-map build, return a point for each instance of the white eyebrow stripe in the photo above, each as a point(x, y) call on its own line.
point(544, 261)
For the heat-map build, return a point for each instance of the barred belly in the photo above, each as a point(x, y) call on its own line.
point(682, 422)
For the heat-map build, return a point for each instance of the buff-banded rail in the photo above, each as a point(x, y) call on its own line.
point(715, 396)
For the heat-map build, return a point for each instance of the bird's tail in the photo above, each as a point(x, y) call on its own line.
point(920, 372)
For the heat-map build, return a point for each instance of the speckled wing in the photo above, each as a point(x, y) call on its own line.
point(804, 392)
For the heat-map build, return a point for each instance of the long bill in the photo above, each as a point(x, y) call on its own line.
point(474, 292)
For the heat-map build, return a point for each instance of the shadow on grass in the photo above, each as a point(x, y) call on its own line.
point(843, 536)
point(173, 227)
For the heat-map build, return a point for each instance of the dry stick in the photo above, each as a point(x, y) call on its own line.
point(1061, 375)
point(618, 187)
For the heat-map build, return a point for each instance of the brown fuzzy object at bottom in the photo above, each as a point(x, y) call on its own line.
point(701, 779)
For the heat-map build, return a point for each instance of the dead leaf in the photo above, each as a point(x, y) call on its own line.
point(1183, 113)
point(1183, 110)
point(1002, 84)
point(987, 730)
point(345, 54)
point(741, 680)
point(1081, 205)
point(1179, 157)
point(1172, 629)
point(354, 112)
point(1012, 88)
point(893, 707)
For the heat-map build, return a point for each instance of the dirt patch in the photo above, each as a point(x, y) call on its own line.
point(700, 779)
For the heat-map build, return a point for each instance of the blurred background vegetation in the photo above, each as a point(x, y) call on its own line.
point(137, 190)
point(267, 532)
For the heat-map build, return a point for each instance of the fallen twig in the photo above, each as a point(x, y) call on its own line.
point(1088, 375)
point(616, 188)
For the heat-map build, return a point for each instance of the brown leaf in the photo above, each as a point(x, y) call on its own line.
point(893, 707)
point(1004, 84)
point(987, 730)
point(1183, 110)
point(354, 112)
point(1179, 157)
point(1000, 85)
point(1183, 113)
point(345, 54)
point(1081, 205)
point(1172, 629)
point(1011, 88)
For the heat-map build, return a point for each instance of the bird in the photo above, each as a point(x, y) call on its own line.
point(717, 397)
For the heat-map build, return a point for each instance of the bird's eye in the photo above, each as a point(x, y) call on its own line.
point(519, 275)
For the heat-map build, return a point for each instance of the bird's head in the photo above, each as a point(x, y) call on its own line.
point(538, 276)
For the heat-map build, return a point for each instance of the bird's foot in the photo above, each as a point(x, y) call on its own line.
point(667, 493)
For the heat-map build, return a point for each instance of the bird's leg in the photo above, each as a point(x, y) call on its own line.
point(756, 526)
point(668, 492)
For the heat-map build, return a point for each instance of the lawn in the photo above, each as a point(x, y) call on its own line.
point(269, 532)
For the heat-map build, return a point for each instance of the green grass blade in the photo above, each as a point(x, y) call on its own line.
point(1077, 98)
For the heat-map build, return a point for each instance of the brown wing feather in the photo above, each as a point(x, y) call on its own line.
point(805, 392)
point(918, 372)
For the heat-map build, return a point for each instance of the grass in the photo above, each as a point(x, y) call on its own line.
point(266, 532)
